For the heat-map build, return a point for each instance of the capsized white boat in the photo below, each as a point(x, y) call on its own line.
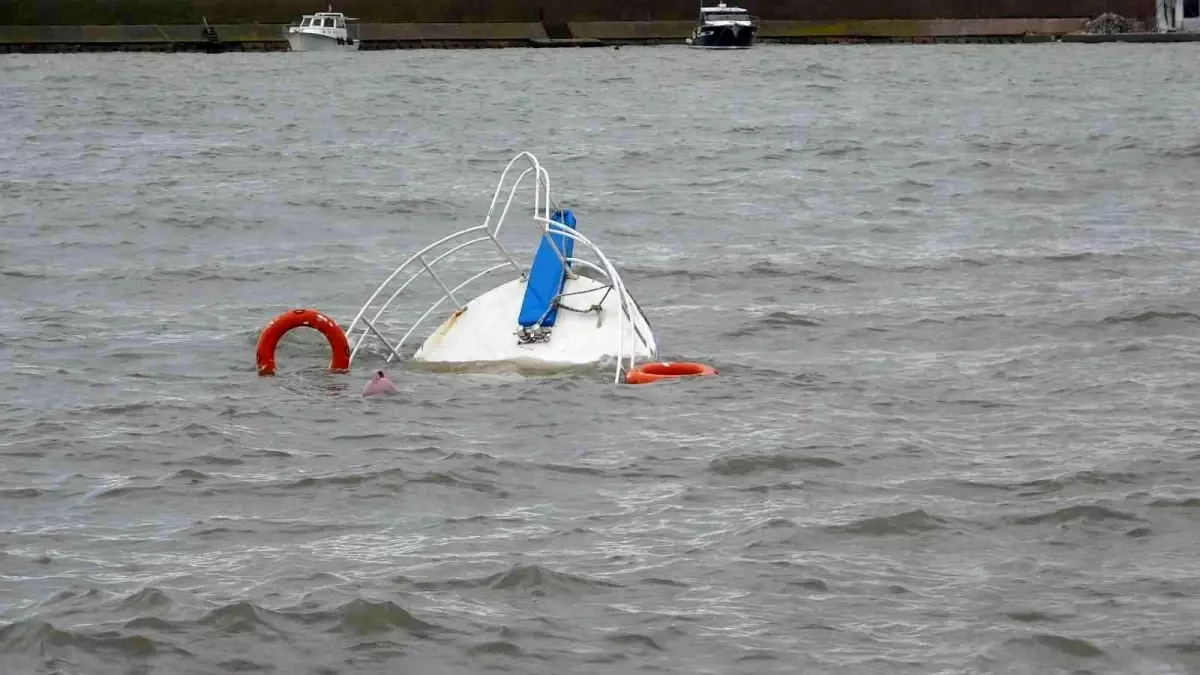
point(568, 307)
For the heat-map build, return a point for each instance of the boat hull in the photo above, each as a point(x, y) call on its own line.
point(724, 37)
point(307, 42)
point(485, 331)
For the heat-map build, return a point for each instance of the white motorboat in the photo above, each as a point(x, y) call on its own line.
point(724, 27)
point(322, 32)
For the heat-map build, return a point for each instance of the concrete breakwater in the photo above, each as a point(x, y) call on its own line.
point(375, 36)
point(160, 38)
point(232, 12)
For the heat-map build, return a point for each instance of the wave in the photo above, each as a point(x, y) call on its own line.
point(1081, 256)
point(1188, 503)
point(1061, 644)
point(774, 321)
point(1183, 152)
point(778, 319)
point(773, 487)
point(484, 520)
point(634, 639)
point(38, 430)
point(496, 647)
point(127, 490)
point(152, 623)
point(256, 527)
point(1189, 648)
point(776, 153)
point(121, 409)
point(977, 403)
point(810, 584)
point(759, 269)
point(1077, 479)
point(1030, 616)
point(362, 617)
point(572, 469)
point(661, 581)
point(358, 437)
point(764, 268)
point(452, 479)
point(24, 274)
point(742, 465)
point(21, 493)
point(534, 580)
point(215, 460)
point(909, 522)
point(772, 524)
point(147, 598)
point(839, 149)
point(635, 272)
point(758, 655)
point(199, 430)
point(539, 580)
point(37, 637)
point(819, 69)
point(1085, 512)
point(1152, 316)
point(239, 618)
point(345, 480)
point(357, 617)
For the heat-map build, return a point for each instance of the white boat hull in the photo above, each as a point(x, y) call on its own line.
point(541, 319)
point(307, 42)
point(486, 330)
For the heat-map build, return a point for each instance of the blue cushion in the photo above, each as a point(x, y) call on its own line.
point(547, 275)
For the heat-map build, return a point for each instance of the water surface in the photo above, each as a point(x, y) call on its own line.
point(950, 290)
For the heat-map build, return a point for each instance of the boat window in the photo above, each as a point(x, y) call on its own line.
point(727, 16)
point(340, 24)
point(306, 22)
point(329, 23)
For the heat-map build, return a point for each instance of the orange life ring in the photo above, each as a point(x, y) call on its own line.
point(653, 372)
point(274, 330)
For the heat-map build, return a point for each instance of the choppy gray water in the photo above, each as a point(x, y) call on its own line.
point(951, 291)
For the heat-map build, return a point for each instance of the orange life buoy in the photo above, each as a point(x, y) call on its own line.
point(274, 330)
point(653, 372)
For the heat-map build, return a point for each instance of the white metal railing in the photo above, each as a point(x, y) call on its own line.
point(424, 261)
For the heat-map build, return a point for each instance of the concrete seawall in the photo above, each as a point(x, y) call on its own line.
point(168, 38)
point(376, 36)
point(268, 12)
